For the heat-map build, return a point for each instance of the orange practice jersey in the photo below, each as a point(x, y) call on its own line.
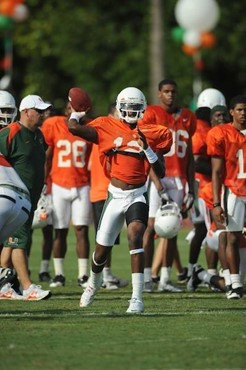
point(228, 142)
point(182, 127)
point(206, 194)
point(115, 135)
point(99, 182)
point(199, 147)
point(70, 154)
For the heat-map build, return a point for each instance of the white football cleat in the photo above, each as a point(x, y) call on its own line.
point(88, 296)
point(135, 306)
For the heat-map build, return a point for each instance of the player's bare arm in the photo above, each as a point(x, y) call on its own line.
point(190, 168)
point(217, 178)
point(48, 162)
point(86, 132)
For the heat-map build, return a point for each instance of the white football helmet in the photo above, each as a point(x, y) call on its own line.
point(131, 104)
point(43, 212)
point(210, 98)
point(8, 108)
point(168, 220)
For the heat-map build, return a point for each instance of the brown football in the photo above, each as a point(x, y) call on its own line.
point(79, 99)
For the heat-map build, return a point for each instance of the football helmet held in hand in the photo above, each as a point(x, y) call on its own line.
point(43, 212)
point(168, 220)
point(131, 104)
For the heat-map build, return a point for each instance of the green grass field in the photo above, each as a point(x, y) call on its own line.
point(201, 330)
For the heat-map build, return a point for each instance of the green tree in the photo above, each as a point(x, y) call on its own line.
point(103, 46)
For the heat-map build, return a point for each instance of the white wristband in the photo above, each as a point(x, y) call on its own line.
point(77, 115)
point(150, 155)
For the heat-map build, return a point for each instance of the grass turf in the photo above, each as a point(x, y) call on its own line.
point(201, 330)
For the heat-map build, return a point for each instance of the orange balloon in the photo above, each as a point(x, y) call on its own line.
point(7, 7)
point(208, 39)
point(189, 50)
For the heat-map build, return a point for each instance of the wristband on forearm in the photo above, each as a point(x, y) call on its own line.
point(150, 155)
point(216, 205)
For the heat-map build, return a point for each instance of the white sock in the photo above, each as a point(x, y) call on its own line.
point(83, 267)
point(212, 271)
point(165, 274)
point(227, 277)
point(204, 276)
point(59, 266)
point(107, 273)
point(235, 281)
point(95, 279)
point(190, 268)
point(137, 285)
point(44, 266)
point(147, 274)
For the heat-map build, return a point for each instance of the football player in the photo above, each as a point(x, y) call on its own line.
point(126, 147)
point(98, 195)
point(207, 100)
point(8, 108)
point(67, 157)
point(227, 146)
point(179, 172)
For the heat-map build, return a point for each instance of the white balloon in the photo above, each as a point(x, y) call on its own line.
point(192, 38)
point(199, 15)
point(21, 13)
point(5, 82)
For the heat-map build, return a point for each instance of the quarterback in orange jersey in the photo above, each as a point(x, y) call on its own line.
point(227, 146)
point(179, 166)
point(67, 157)
point(98, 194)
point(127, 155)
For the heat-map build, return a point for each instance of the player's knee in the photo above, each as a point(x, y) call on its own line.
point(99, 258)
point(135, 239)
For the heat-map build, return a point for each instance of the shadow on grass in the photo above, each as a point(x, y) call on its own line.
point(53, 315)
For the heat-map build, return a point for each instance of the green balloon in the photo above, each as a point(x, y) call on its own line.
point(193, 104)
point(177, 34)
point(5, 22)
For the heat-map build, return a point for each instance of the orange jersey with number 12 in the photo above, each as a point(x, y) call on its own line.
point(120, 151)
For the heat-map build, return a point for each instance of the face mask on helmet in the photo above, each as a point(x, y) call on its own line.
point(8, 108)
point(168, 221)
point(131, 104)
point(210, 98)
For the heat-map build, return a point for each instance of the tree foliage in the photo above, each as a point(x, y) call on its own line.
point(103, 46)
